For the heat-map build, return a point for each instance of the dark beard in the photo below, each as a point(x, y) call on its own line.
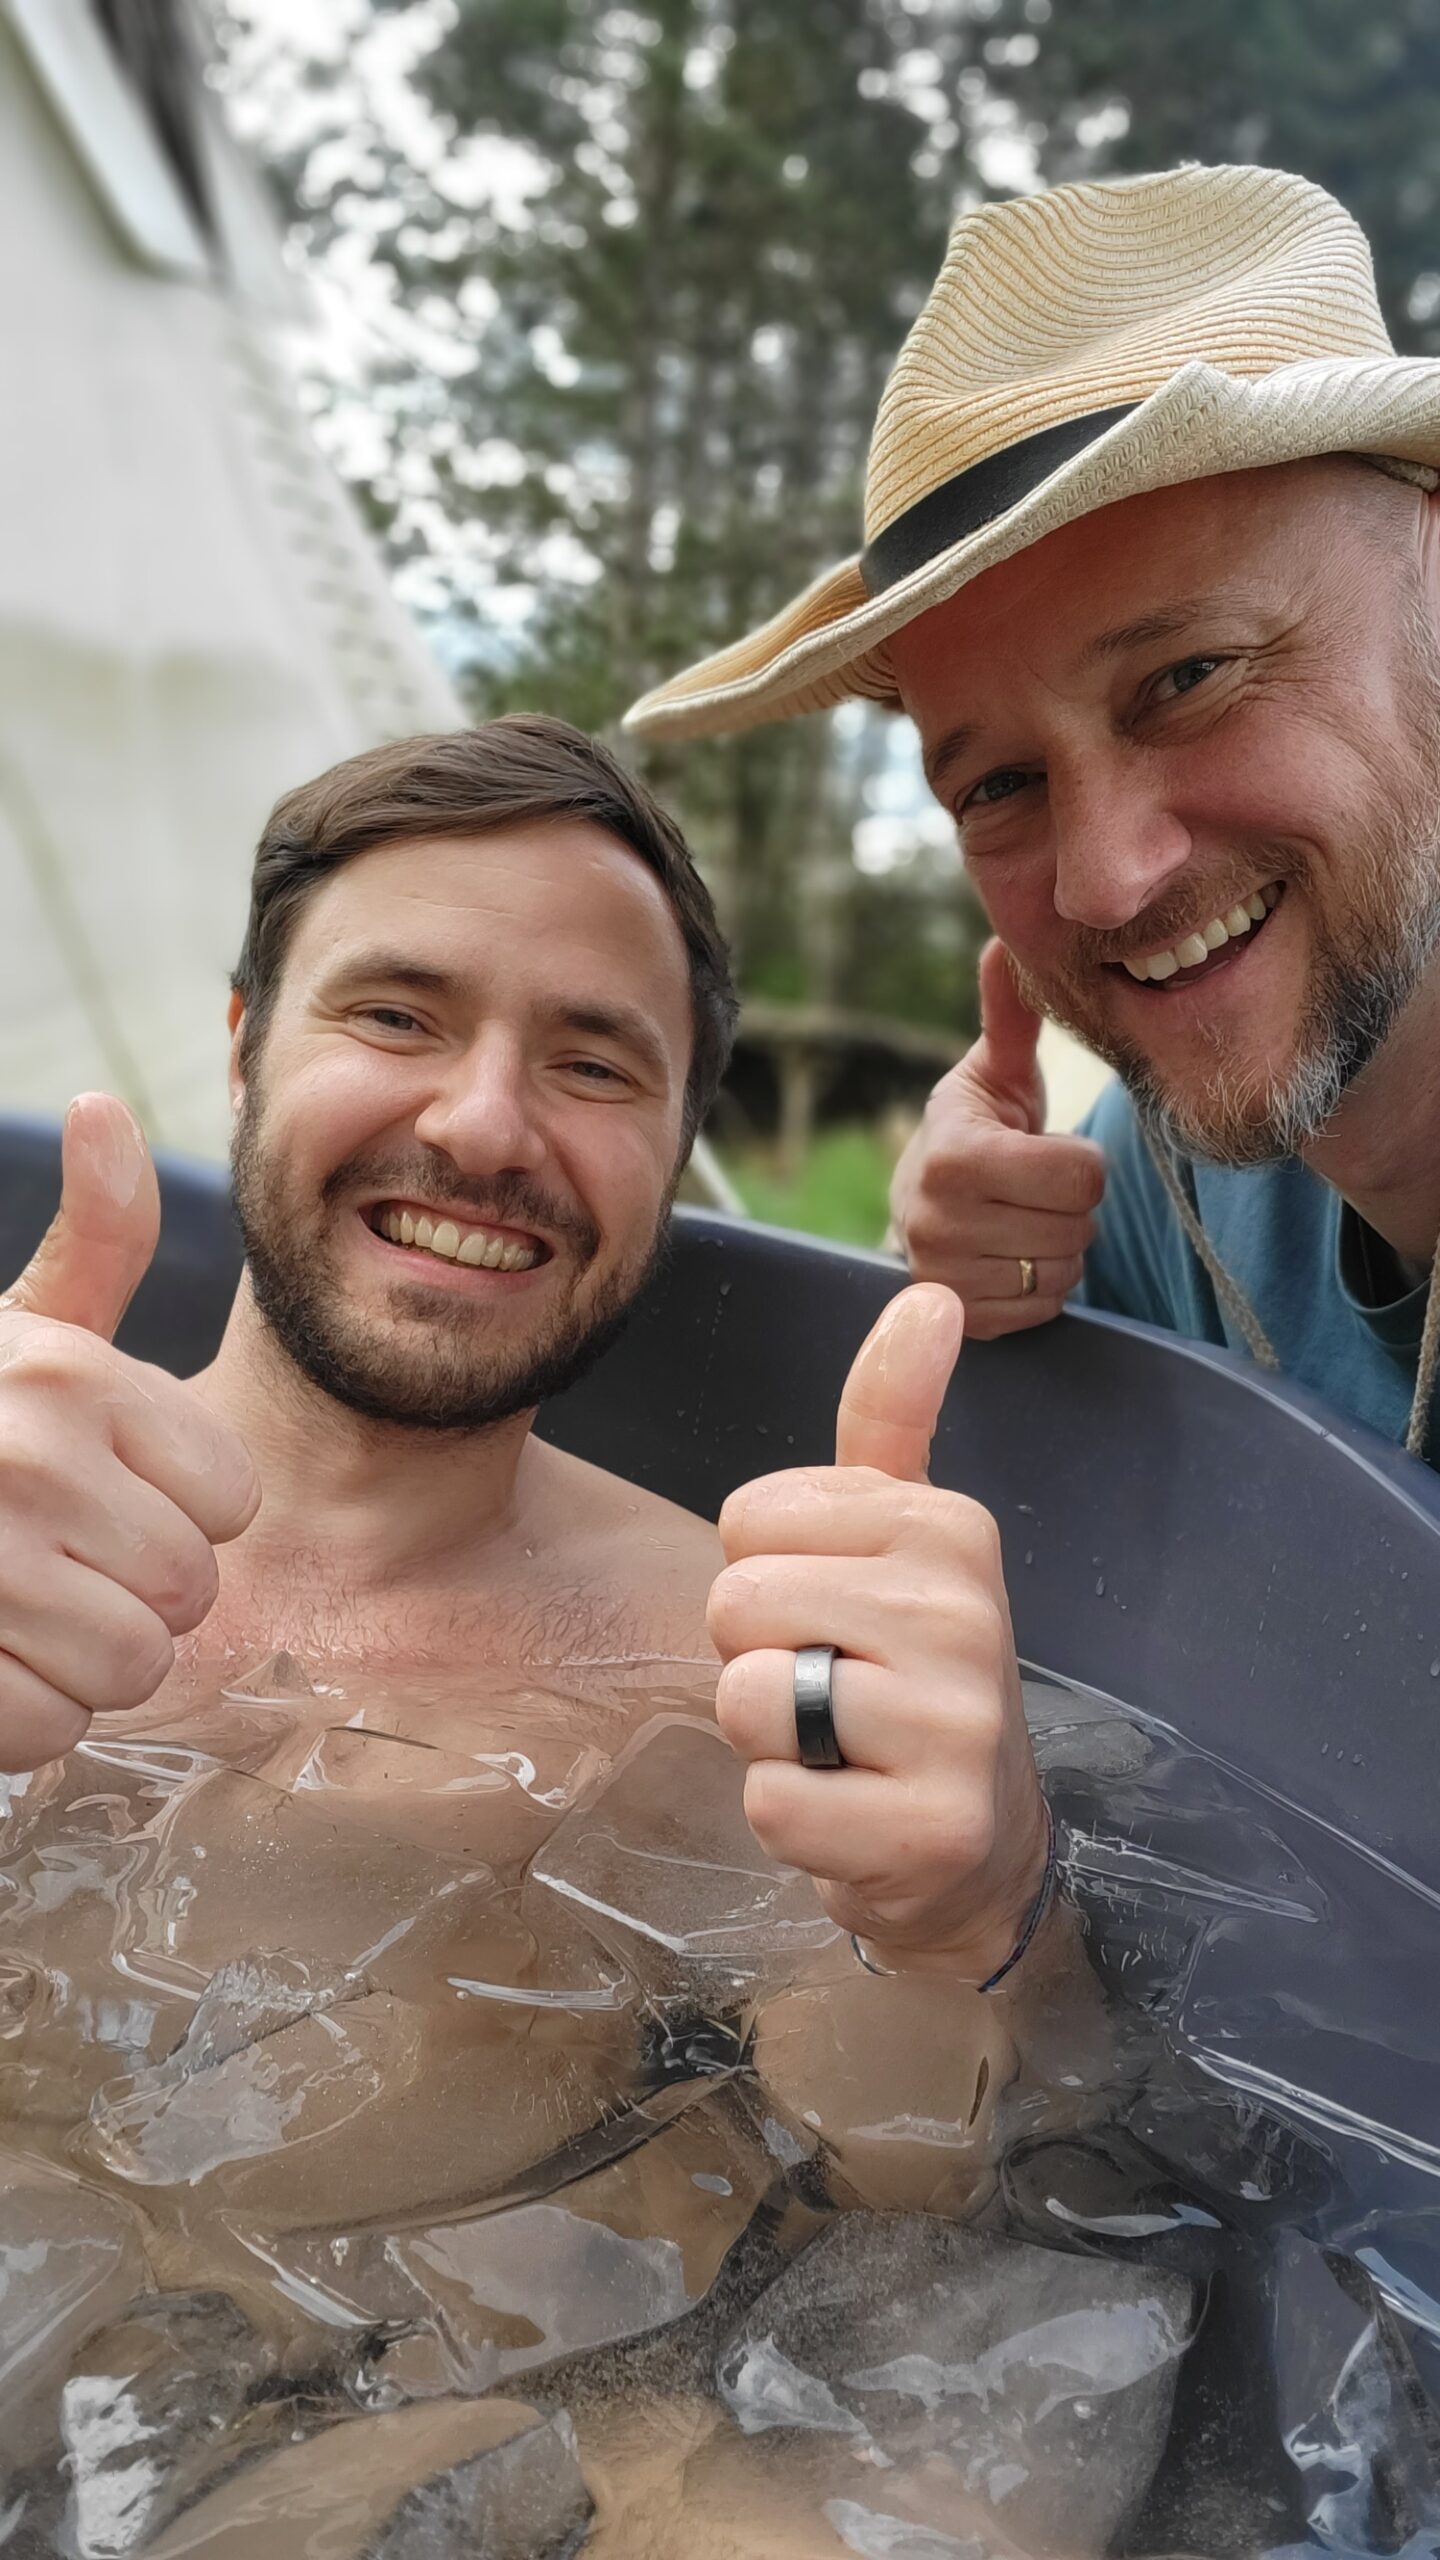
point(447, 1386)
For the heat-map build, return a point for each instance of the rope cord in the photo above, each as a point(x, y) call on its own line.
point(1227, 1289)
point(1425, 1368)
point(1247, 1324)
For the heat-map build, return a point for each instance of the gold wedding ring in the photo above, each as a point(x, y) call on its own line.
point(1027, 1275)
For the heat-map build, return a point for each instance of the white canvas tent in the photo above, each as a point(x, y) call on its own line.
point(191, 616)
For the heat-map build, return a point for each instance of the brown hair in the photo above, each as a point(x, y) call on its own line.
point(509, 773)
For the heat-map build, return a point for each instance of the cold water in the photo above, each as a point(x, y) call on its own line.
point(470, 2144)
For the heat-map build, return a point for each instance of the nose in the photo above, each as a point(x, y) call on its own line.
point(1118, 846)
point(484, 1114)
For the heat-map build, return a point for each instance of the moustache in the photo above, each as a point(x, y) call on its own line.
point(505, 1199)
point(1183, 910)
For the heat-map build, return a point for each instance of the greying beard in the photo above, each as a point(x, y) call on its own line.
point(1241, 1119)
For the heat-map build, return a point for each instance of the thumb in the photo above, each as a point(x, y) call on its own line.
point(1009, 1027)
point(86, 1270)
point(892, 1397)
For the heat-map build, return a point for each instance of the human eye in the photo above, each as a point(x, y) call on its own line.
point(390, 1017)
point(597, 1072)
point(1185, 676)
point(992, 788)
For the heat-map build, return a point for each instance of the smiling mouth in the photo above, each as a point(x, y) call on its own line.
point(1210, 947)
point(479, 1247)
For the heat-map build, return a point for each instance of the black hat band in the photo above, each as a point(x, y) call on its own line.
point(976, 497)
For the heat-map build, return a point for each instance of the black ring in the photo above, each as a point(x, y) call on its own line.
point(815, 1708)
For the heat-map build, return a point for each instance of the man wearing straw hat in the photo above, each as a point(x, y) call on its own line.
point(1152, 559)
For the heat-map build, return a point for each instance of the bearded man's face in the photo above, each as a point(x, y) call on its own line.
point(1193, 747)
point(458, 1136)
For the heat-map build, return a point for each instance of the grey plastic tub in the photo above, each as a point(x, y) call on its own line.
point(1181, 1532)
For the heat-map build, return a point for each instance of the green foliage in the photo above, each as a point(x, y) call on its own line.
point(842, 1189)
point(662, 371)
point(1344, 91)
point(631, 417)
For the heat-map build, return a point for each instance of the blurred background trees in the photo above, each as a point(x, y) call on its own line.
point(632, 279)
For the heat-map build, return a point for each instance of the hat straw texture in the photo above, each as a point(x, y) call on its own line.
point(1148, 331)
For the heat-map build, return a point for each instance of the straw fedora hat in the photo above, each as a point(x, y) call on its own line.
point(1080, 347)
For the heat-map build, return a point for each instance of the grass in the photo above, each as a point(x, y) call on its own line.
point(840, 1191)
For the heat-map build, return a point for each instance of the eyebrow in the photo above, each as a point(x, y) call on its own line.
point(397, 968)
point(625, 1024)
point(1164, 624)
point(622, 1023)
point(946, 750)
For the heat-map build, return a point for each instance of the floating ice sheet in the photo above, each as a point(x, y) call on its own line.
point(1042, 2382)
point(454, 2480)
point(659, 1864)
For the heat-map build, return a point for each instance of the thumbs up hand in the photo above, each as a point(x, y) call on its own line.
point(930, 1842)
point(980, 1195)
point(115, 1481)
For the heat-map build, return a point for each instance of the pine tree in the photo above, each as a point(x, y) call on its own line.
point(661, 374)
point(1344, 91)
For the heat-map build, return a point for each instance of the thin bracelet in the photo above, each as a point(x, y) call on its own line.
point(1039, 1911)
point(1039, 1908)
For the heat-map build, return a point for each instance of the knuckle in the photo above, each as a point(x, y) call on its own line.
point(737, 1706)
point(31, 1737)
point(985, 1323)
point(139, 1656)
point(53, 1357)
point(764, 1810)
point(967, 1526)
point(182, 1586)
point(1085, 1180)
point(726, 1609)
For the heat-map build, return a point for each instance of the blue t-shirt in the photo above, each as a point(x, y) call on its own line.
point(1298, 1251)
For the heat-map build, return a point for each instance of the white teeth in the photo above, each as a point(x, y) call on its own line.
point(1196, 947)
point(475, 1247)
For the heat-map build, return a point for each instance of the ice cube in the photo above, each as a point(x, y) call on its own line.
point(1349, 2406)
point(1043, 2382)
point(239, 1857)
point(447, 1802)
point(301, 2097)
point(149, 2407)
point(69, 2261)
point(442, 2480)
point(279, 1680)
point(628, 2249)
point(662, 1868)
point(275, 2055)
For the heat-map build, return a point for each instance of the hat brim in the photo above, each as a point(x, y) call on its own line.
point(828, 646)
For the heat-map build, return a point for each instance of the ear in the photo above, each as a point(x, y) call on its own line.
point(235, 1021)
